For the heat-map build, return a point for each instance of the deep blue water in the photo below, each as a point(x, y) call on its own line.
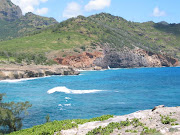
point(124, 91)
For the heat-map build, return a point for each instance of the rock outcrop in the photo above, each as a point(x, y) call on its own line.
point(38, 21)
point(84, 60)
point(9, 11)
point(33, 71)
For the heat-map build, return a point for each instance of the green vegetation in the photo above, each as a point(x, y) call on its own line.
point(55, 126)
point(47, 118)
point(167, 120)
point(106, 130)
point(26, 58)
point(149, 131)
point(11, 115)
point(24, 26)
point(131, 131)
point(110, 128)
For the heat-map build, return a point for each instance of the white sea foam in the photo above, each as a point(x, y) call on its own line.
point(21, 80)
point(60, 105)
point(18, 80)
point(69, 91)
point(67, 98)
point(67, 104)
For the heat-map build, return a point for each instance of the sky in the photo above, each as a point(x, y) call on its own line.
point(131, 10)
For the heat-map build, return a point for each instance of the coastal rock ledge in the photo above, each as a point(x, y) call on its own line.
point(158, 121)
point(19, 72)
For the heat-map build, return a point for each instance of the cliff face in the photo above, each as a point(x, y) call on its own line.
point(113, 58)
point(127, 58)
point(9, 11)
point(84, 60)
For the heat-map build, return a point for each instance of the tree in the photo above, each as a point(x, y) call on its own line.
point(47, 118)
point(12, 114)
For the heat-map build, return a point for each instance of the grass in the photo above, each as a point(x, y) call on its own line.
point(43, 42)
point(55, 126)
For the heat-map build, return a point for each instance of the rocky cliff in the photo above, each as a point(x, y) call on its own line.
point(18, 72)
point(130, 58)
point(9, 11)
point(81, 61)
point(114, 58)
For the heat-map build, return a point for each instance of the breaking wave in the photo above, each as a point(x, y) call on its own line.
point(18, 80)
point(21, 80)
point(69, 91)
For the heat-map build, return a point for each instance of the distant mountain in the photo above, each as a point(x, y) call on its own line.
point(122, 43)
point(14, 24)
point(9, 11)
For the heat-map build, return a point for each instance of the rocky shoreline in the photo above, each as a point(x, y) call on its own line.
point(158, 121)
point(31, 71)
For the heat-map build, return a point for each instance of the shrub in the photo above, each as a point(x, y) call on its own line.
point(167, 120)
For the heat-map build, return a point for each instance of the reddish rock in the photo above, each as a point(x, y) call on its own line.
point(84, 60)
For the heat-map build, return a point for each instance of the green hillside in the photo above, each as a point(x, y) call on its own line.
point(97, 30)
point(26, 24)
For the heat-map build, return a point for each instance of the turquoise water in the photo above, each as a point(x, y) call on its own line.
point(95, 93)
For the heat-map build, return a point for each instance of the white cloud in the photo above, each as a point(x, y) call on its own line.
point(28, 5)
point(73, 9)
point(42, 11)
point(157, 12)
point(97, 5)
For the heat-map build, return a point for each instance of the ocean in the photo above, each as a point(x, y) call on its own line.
point(94, 93)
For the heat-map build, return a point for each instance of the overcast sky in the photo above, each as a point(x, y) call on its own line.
point(133, 10)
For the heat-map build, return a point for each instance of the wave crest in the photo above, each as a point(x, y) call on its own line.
point(69, 91)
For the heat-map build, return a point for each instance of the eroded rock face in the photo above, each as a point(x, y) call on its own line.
point(84, 60)
point(36, 72)
point(9, 11)
point(127, 58)
point(113, 58)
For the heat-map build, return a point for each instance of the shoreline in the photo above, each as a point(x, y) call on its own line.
point(14, 72)
point(25, 72)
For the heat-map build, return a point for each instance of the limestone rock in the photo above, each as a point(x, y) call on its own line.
point(32, 72)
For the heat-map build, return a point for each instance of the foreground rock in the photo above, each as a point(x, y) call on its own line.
point(149, 118)
point(18, 72)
